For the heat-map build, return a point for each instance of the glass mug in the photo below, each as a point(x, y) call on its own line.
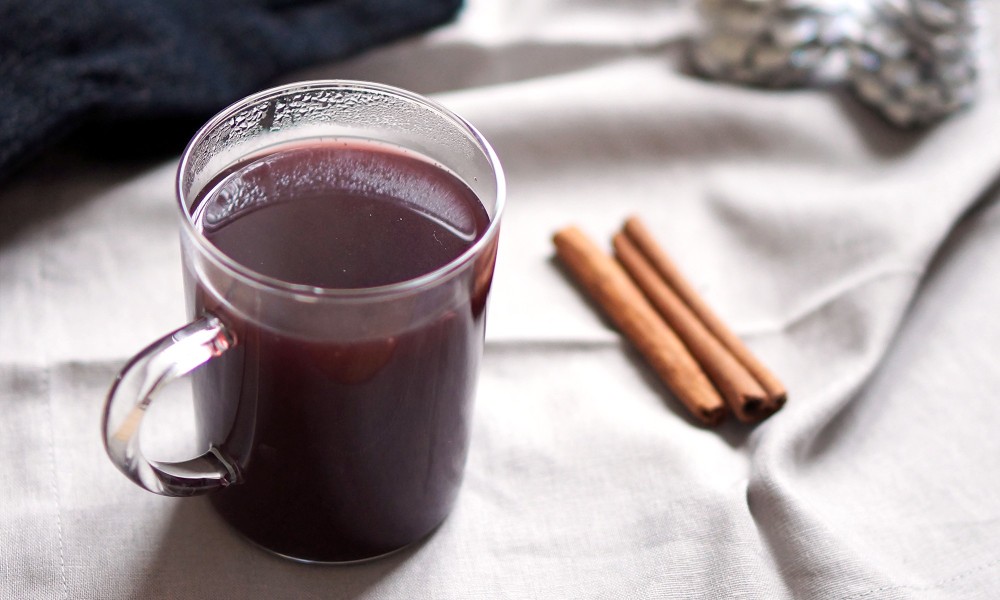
point(335, 418)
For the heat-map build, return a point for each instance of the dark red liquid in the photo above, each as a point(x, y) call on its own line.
point(347, 448)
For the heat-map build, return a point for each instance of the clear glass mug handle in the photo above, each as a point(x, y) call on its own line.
point(171, 357)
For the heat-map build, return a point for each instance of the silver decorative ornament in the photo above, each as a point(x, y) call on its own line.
point(771, 43)
point(917, 61)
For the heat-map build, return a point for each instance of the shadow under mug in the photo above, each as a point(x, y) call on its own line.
point(336, 421)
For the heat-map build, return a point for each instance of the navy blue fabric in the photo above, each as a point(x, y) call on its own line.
point(66, 63)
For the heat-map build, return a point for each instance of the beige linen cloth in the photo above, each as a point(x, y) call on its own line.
point(859, 261)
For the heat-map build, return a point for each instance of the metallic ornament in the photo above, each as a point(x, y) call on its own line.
point(917, 60)
point(771, 43)
point(913, 61)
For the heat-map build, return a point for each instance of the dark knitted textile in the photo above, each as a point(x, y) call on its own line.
point(65, 63)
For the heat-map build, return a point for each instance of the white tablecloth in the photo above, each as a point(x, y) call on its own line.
point(858, 260)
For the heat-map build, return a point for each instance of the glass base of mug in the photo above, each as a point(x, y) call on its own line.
point(336, 563)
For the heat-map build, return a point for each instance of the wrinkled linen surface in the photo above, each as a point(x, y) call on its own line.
point(859, 261)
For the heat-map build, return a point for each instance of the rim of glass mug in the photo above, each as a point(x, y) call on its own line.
point(297, 291)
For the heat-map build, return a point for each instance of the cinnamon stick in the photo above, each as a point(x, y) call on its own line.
point(745, 397)
point(644, 241)
point(608, 284)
